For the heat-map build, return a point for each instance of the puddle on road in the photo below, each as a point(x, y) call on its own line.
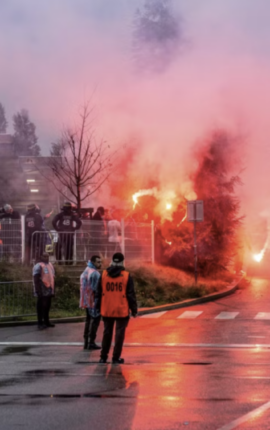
point(16, 350)
point(45, 372)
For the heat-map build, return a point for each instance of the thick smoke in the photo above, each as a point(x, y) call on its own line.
point(53, 56)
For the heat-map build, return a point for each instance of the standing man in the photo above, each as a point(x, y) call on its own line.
point(115, 297)
point(114, 236)
point(43, 274)
point(89, 280)
point(33, 227)
point(65, 223)
point(98, 231)
point(8, 212)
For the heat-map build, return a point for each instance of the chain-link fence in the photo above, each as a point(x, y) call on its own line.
point(11, 240)
point(16, 299)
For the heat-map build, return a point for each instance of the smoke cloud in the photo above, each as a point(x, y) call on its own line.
point(53, 56)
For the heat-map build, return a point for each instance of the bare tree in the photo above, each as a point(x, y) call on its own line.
point(85, 162)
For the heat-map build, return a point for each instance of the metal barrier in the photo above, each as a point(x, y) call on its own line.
point(135, 240)
point(16, 299)
point(11, 240)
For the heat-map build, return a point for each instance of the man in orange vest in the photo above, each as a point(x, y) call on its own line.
point(43, 274)
point(115, 299)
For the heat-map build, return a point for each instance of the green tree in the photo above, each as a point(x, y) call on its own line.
point(25, 139)
point(157, 35)
point(57, 149)
point(3, 121)
point(218, 235)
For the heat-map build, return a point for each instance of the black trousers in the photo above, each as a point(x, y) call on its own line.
point(43, 309)
point(33, 248)
point(65, 246)
point(120, 330)
point(91, 328)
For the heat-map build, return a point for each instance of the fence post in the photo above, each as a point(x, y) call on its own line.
point(153, 241)
point(123, 235)
point(23, 237)
point(75, 248)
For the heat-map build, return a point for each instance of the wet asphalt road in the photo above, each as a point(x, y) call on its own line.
point(183, 371)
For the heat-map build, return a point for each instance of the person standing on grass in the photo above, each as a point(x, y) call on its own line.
point(43, 275)
point(115, 298)
point(89, 280)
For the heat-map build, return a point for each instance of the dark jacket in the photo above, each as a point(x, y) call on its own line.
point(64, 221)
point(114, 272)
point(97, 216)
point(12, 215)
point(33, 222)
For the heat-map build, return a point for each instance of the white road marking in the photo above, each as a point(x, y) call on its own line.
point(263, 316)
point(246, 417)
point(154, 315)
point(261, 337)
point(190, 314)
point(226, 315)
point(147, 345)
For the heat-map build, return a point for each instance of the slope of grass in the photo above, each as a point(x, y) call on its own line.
point(154, 284)
point(158, 285)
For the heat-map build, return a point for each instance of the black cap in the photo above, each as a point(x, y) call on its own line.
point(67, 206)
point(118, 257)
point(31, 206)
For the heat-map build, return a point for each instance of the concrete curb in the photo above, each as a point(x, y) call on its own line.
point(143, 311)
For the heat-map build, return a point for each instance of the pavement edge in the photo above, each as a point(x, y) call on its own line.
point(143, 311)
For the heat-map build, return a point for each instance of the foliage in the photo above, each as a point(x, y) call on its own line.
point(57, 149)
point(154, 285)
point(25, 139)
point(3, 121)
point(157, 35)
point(84, 164)
point(217, 236)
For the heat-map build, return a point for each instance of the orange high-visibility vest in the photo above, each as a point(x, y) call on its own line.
point(114, 302)
point(47, 275)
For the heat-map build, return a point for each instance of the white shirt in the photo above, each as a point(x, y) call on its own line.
point(114, 229)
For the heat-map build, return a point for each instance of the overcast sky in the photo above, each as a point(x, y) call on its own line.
point(55, 54)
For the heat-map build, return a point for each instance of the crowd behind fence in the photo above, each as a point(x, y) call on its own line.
point(134, 240)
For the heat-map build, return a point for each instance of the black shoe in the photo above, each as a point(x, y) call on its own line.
point(50, 325)
point(118, 361)
point(85, 346)
point(102, 361)
point(42, 327)
point(93, 346)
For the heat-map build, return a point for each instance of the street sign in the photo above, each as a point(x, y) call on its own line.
point(195, 210)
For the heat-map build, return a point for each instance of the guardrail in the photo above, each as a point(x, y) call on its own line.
point(16, 299)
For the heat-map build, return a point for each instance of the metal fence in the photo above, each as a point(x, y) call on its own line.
point(135, 240)
point(11, 240)
point(16, 299)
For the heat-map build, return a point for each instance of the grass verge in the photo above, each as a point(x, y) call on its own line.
point(155, 285)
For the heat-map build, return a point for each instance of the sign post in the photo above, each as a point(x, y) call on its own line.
point(195, 214)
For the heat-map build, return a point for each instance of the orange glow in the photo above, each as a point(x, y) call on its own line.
point(169, 243)
point(258, 257)
point(135, 200)
point(150, 192)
